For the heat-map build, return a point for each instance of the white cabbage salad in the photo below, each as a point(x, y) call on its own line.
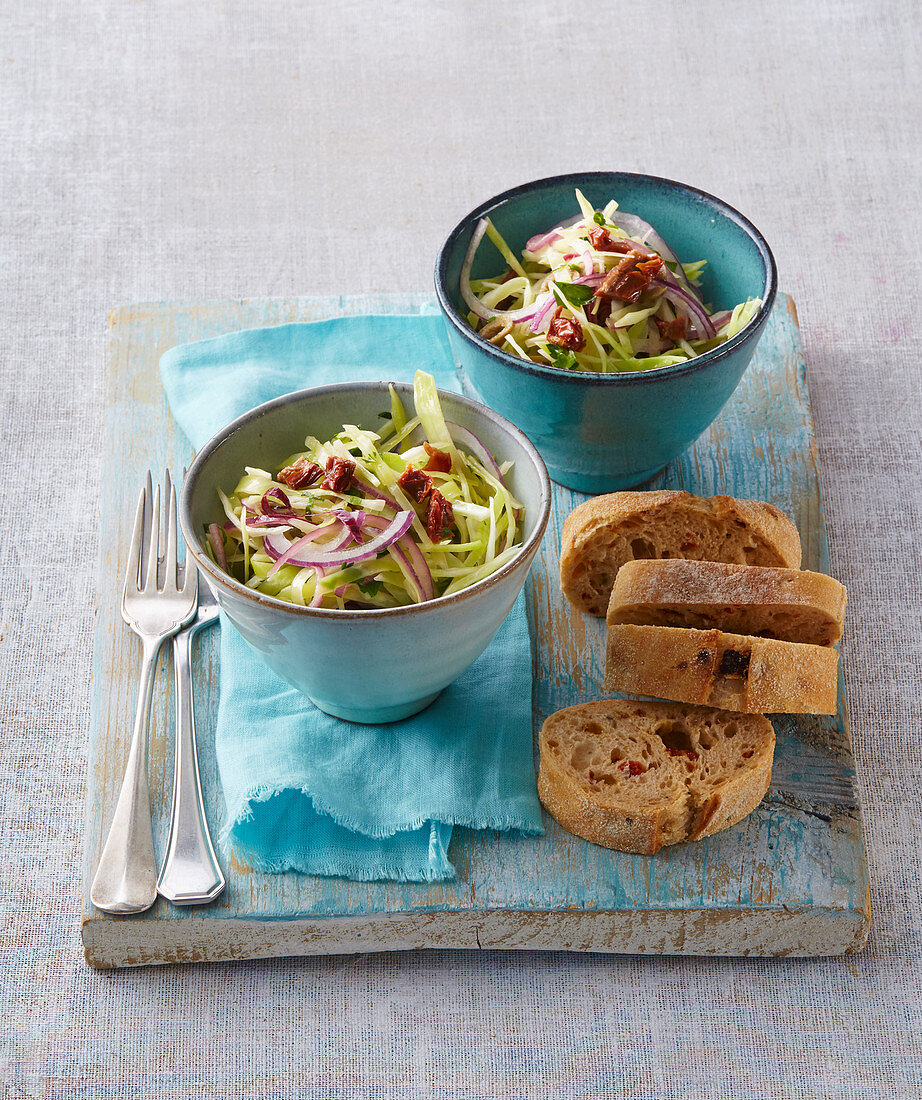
point(373, 519)
point(602, 292)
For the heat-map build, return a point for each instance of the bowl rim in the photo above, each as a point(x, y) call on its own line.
point(620, 378)
point(217, 575)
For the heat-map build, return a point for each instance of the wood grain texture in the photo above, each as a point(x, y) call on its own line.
point(791, 879)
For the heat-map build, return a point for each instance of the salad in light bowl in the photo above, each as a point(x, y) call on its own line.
point(367, 539)
point(609, 314)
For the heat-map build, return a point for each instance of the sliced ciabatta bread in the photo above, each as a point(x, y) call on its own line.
point(603, 533)
point(733, 671)
point(793, 605)
point(635, 776)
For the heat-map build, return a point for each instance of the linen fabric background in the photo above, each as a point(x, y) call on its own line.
point(178, 150)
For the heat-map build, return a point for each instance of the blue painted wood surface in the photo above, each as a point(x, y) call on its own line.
point(800, 851)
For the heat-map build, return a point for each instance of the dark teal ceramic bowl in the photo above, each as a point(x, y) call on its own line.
point(602, 432)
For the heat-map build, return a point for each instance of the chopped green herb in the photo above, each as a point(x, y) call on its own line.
point(574, 294)
point(562, 357)
point(598, 217)
point(370, 587)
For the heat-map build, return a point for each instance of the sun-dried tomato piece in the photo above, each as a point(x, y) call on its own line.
point(439, 461)
point(630, 278)
point(690, 753)
point(632, 767)
point(672, 330)
point(565, 332)
point(300, 473)
point(339, 474)
point(439, 516)
point(602, 241)
point(415, 483)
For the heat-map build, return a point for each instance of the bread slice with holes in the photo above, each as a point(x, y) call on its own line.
point(603, 533)
point(636, 776)
point(734, 671)
point(791, 605)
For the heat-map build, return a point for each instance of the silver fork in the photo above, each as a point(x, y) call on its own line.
point(191, 874)
point(126, 878)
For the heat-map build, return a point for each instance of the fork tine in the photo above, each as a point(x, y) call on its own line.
point(133, 565)
point(145, 532)
point(150, 577)
point(170, 564)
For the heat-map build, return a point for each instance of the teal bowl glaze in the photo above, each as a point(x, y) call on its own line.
point(361, 665)
point(603, 432)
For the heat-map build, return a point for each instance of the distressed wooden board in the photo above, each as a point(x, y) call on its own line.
point(790, 880)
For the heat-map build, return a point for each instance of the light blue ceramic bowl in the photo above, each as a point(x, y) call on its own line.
point(375, 665)
point(603, 432)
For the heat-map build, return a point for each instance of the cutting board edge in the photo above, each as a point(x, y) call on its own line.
point(809, 932)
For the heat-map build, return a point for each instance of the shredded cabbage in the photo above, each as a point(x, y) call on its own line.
point(550, 306)
point(303, 542)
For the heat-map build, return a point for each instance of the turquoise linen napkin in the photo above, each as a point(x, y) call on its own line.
point(308, 792)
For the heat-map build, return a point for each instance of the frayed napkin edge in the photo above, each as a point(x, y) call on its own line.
point(256, 795)
point(438, 868)
point(337, 867)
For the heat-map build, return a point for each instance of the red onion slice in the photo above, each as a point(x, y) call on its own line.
point(217, 545)
point(541, 240)
point(376, 494)
point(354, 521)
point(416, 564)
point(284, 552)
point(466, 438)
point(542, 317)
point(412, 557)
point(275, 494)
point(470, 298)
point(338, 556)
point(591, 280)
point(690, 306)
point(317, 597)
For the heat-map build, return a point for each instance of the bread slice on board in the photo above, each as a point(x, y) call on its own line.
point(603, 533)
point(792, 605)
point(635, 776)
point(733, 671)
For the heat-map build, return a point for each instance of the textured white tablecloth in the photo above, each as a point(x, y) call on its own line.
point(180, 150)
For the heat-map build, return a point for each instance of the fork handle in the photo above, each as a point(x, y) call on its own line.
point(191, 874)
point(126, 878)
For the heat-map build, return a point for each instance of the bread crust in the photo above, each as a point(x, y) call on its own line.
point(601, 534)
point(793, 605)
point(694, 777)
point(731, 671)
